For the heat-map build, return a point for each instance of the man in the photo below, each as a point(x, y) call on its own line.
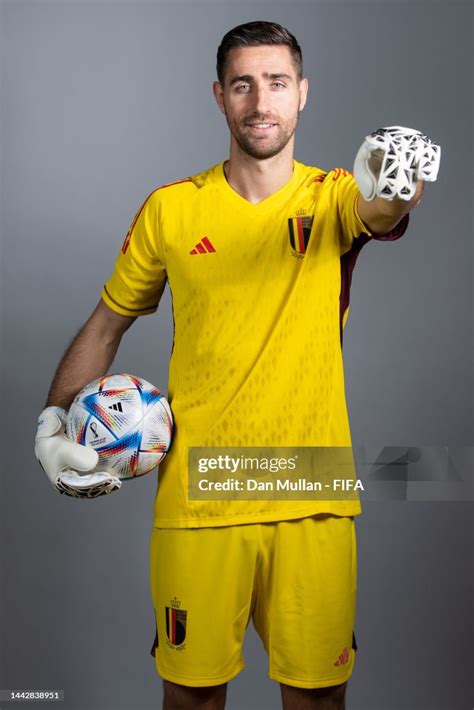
point(258, 252)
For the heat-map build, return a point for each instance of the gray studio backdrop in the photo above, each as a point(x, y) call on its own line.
point(101, 103)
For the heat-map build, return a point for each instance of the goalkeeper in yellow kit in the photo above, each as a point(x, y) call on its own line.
point(258, 252)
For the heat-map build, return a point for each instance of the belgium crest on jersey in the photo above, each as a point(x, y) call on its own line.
point(175, 623)
point(299, 229)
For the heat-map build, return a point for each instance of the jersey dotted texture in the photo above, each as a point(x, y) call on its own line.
point(260, 297)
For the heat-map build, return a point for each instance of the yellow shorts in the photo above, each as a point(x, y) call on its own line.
point(296, 579)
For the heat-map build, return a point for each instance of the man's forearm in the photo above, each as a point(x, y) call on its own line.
point(375, 217)
point(89, 356)
point(381, 215)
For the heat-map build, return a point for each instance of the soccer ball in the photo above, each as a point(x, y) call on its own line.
point(126, 420)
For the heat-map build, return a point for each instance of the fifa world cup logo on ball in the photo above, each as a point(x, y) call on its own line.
point(126, 419)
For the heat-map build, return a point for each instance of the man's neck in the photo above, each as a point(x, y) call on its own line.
point(255, 180)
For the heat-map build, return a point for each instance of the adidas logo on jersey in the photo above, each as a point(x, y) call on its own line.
point(343, 658)
point(203, 247)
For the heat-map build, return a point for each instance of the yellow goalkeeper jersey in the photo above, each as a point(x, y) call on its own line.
point(260, 296)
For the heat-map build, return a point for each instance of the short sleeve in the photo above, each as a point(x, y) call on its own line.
point(139, 276)
point(347, 193)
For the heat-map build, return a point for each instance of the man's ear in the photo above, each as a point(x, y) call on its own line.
point(303, 89)
point(218, 95)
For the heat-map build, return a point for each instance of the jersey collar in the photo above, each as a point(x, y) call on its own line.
point(269, 202)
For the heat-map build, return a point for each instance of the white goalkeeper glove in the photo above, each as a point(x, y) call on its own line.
point(61, 459)
point(392, 159)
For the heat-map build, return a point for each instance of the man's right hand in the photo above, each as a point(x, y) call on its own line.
point(61, 459)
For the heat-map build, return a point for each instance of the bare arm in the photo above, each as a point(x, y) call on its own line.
point(381, 216)
point(89, 355)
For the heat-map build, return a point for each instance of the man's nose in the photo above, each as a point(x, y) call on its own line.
point(261, 99)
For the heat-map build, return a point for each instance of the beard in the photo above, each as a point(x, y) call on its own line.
point(265, 146)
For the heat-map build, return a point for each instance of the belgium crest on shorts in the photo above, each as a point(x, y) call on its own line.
point(175, 623)
point(299, 229)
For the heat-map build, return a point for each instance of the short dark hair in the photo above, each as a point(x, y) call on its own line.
point(254, 34)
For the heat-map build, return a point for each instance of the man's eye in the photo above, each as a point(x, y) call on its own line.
point(278, 84)
point(243, 87)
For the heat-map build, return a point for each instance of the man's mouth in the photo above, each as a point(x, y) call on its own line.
point(261, 127)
